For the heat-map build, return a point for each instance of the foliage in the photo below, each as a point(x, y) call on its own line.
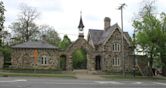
point(65, 42)
point(145, 27)
point(51, 36)
point(151, 35)
point(2, 18)
point(24, 27)
point(6, 50)
point(79, 59)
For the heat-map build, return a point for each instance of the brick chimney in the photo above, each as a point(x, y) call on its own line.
point(107, 23)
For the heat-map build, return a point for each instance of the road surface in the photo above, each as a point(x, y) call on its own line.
point(30, 82)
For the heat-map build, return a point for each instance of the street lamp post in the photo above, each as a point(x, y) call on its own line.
point(121, 8)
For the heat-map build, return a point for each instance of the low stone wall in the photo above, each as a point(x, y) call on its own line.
point(1, 60)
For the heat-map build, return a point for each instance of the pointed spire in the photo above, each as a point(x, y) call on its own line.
point(81, 25)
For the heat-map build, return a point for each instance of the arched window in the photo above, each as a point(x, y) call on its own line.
point(116, 47)
point(116, 61)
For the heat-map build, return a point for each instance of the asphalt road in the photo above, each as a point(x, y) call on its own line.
point(28, 82)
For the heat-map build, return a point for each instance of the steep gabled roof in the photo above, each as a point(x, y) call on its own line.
point(102, 36)
point(106, 33)
point(95, 35)
point(35, 44)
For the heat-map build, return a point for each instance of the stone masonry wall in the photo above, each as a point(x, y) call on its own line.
point(109, 54)
point(24, 58)
point(80, 43)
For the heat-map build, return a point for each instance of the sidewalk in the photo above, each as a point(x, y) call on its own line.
point(83, 74)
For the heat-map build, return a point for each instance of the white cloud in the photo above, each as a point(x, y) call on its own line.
point(64, 15)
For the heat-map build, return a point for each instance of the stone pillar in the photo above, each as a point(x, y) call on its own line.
point(92, 63)
point(69, 65)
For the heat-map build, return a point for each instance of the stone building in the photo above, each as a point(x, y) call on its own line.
point(107, 46)
point(103, 50)
point(1, 60)
point(35, 54)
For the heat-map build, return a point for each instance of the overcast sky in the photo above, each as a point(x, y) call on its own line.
point(64, 15)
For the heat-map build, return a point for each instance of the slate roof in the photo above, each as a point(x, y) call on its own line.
point(99, 36)
point(35, 44)
point(95, 35)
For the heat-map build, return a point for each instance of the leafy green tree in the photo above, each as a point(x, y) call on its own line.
point(79, 59)
point(2, 19)
point(24, 27)
point(151, 34)
point(6, 50)
point(162, 42)
point(146, 29)
point(65, 42)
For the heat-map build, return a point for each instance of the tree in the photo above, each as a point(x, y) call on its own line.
point(51, 36)
point(151, 34)
point(65, 42)
point(2, 19)
point(145, 28)
point(162, 42)
point(24, 27)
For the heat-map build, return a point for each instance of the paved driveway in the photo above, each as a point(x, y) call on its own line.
point(29, 82)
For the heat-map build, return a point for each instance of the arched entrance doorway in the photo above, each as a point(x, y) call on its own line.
point(63, 62)
point(82, 44)
point(79, 59)
point(98, 62)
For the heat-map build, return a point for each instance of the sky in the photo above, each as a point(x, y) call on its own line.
point(64, 15)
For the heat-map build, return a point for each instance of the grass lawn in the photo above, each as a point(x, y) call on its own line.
point(61, 75)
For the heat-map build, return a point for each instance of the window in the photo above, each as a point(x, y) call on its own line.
point(116, 47)
point(116, 61)
point(43, 60)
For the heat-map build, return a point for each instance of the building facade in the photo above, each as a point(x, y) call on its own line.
point(108, 47)
point(103, 48)
point(34, 55)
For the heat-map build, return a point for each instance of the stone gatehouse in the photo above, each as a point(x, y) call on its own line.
point(35, 54)
point(103, 48)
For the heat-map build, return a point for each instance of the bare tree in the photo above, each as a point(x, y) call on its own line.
point(24, 26)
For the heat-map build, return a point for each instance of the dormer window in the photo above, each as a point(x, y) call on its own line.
point(116, 47)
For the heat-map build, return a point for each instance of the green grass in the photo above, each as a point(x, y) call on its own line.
point(6, 74)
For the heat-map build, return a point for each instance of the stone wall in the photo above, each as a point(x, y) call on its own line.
point(108, 54)
point(24, 58)
point(1, 60)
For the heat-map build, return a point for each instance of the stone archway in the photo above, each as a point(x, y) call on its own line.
point(80, 43)
point(63, 62)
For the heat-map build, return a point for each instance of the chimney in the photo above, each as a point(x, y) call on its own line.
point(107, 22)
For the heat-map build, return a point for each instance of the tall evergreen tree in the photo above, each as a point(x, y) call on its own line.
point(65, 42)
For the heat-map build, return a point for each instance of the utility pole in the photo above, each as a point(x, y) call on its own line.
point(134, 46)
point(121, 8)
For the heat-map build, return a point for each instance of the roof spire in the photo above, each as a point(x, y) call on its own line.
point(81, 25)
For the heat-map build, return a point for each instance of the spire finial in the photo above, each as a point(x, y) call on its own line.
point(81, 13)
point(81, 25)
